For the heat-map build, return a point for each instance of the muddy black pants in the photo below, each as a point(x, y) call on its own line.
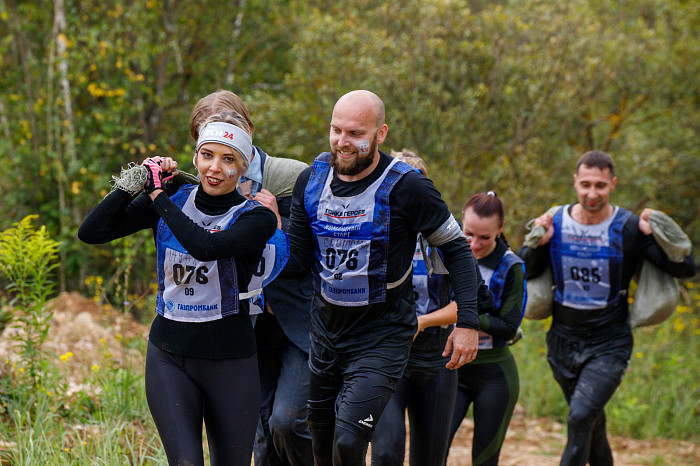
point(589, 370)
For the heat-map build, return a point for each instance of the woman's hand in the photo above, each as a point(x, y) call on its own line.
point(421, 326)
point(154, 177)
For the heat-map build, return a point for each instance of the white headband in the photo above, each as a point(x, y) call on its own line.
point(228, 135)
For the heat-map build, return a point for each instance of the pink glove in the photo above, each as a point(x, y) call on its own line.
point(154, 175)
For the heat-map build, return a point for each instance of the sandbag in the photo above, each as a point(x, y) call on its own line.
point(669, 236)
point(540, 290)
point(656, 297)
point(280, 174)
point(181, 178)
point(657, 292)
point(540, 296)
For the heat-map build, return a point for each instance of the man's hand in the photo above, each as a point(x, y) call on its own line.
point(644, 225)
point(545, 220)
point(463, 344)
point(266, 198)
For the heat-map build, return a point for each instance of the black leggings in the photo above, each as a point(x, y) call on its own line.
point(429, 395)
point(494, 389)
point(224, 393)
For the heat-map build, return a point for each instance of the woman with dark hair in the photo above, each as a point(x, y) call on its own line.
point(490, 382)
point(201, 363)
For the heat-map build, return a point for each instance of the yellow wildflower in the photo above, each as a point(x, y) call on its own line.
point(678, 325)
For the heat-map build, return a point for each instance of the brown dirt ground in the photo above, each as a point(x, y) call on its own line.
point(539, 442)
point(79, 324)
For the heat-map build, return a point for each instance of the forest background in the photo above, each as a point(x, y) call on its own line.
point(500, 95)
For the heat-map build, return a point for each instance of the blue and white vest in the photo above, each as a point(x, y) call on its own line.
point(587, 260)
point(273, 260)
point(190, 290)
point(430, 292)
point(276, 251)
point(351, 236)
point(496, 279)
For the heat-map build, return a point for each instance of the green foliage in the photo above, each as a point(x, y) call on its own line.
point(27, 256)
point(132, 73)
point(506, 96)
point(493, 94)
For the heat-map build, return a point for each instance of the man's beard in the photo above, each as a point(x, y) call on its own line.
point(593, 208)
point(355, 165)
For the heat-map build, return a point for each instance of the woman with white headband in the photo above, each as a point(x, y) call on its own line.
point(201, 363)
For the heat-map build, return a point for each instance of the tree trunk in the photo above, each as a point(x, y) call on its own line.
point(231, 63)
point(65, 144)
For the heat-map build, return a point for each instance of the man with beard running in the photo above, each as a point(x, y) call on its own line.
point(354, 220)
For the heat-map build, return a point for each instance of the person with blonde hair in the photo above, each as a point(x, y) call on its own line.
point(282, 311)
point(201, 363)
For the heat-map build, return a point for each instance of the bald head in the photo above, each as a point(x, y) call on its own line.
point(361, 102)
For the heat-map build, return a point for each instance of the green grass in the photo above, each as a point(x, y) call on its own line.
point(109, 426)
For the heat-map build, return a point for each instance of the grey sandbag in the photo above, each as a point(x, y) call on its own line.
point(656, 297)
point(280, 175)
point(540, 296)
point(657, 292)
point(182, 177)
point(670, 236)
point(540, 290)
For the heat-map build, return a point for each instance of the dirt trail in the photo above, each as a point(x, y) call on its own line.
point(539, 442)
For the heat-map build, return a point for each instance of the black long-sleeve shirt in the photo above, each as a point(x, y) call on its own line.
point(416, 206)
point(120, 214)
point(636, 246)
